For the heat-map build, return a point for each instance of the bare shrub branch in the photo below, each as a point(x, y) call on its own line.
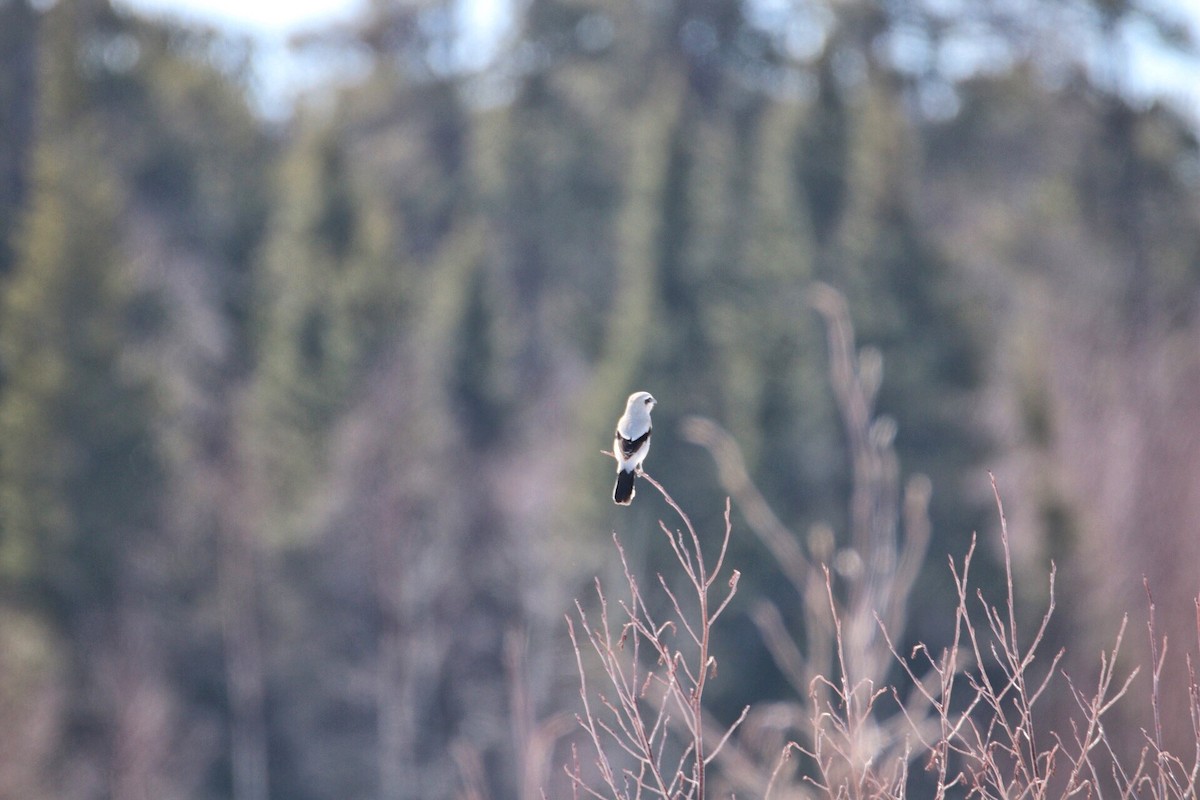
point(655, 719)
point(833, 654)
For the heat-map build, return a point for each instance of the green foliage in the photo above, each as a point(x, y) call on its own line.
point(331, 296)
point(114, 319)
point(474, 375)
point(79, 472)
point(17, 68)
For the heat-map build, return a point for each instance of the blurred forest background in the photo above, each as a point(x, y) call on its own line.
point(301, 419)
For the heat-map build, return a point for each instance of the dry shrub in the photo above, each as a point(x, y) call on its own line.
point(970, 715)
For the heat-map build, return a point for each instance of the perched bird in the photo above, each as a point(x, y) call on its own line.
point(631, 444)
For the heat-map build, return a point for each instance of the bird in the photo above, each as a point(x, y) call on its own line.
point(631, 444)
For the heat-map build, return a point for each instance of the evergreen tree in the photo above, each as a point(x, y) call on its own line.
point(81, 476)
point(332, 292)
point(80, 472)
point(138, 216)
point(17, 58)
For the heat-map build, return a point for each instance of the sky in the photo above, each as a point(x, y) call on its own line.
point(261, 18)
point(280, 75)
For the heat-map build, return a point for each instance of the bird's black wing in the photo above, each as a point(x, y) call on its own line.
point(630, 446)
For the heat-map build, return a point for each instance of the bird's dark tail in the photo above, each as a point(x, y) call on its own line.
point(623, 491)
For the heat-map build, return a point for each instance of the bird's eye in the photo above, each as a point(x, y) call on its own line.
point(649, 400)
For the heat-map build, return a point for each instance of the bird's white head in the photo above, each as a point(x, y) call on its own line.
point(640, 401)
